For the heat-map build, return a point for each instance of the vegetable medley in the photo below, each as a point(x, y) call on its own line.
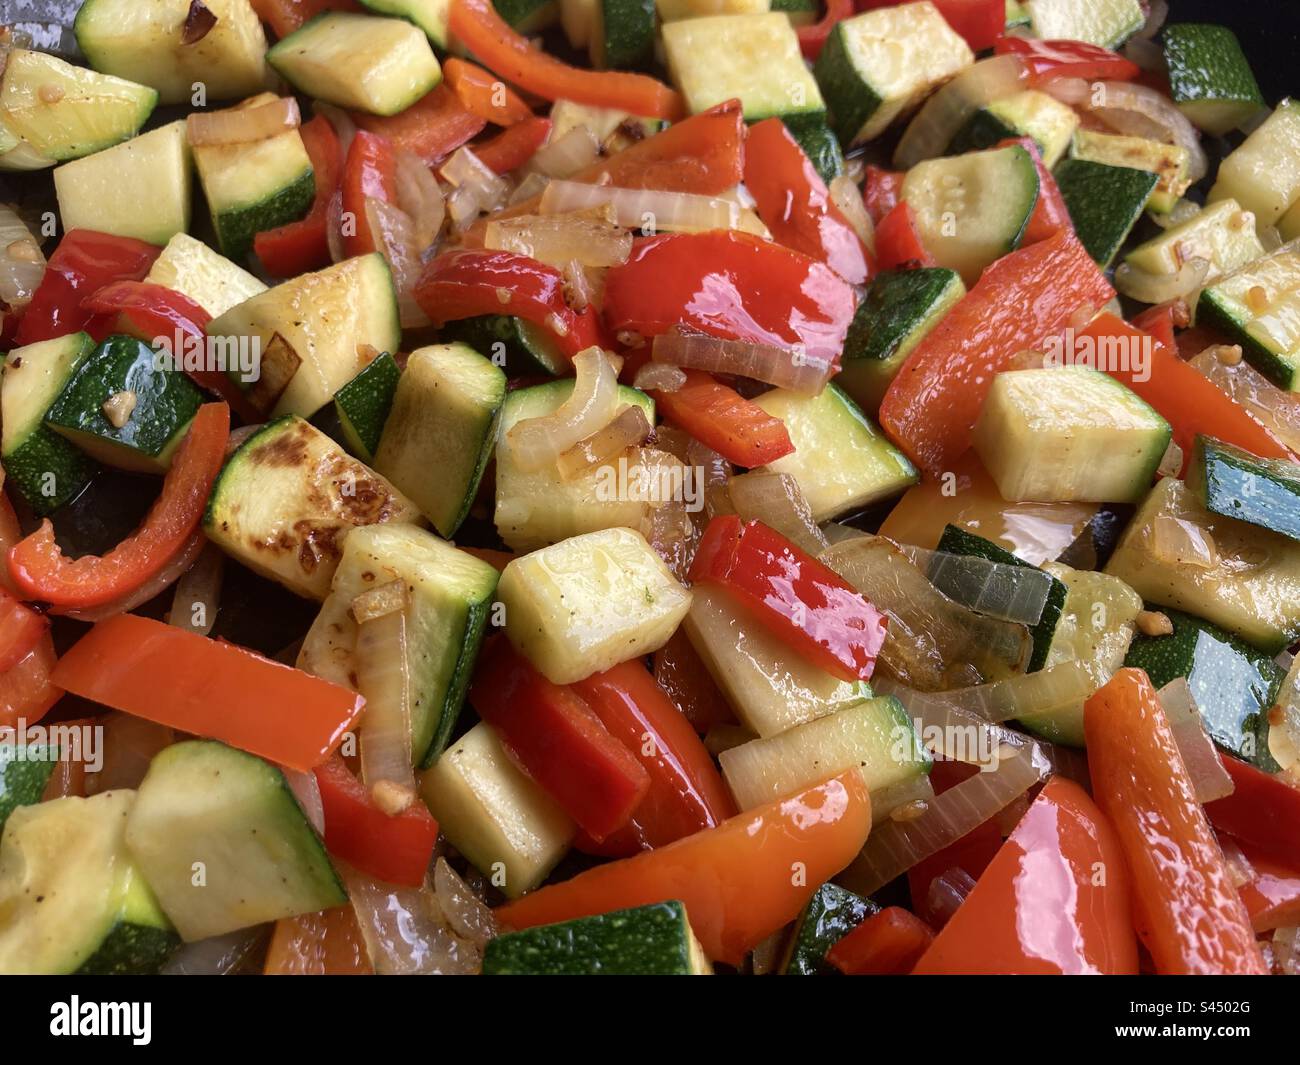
point(602, 486)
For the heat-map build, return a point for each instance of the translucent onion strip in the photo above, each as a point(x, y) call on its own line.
point(1277, 409)
point(1182, 542)
point(217, 955)
point(846, 195)
point(659, 377)
point(1209, 779)
point(629, 427)
point(240, 125)
point(645, 209)
point(383, 678)
point(773, 365)
point(777, 501)
point(1161, 288)
point(1044, 692)
point(405, 931)
point(932, 130)
point(1284, 719)
point(306, 790)
point(466, 913)
point(395, 233)
point(1141, 111)
point(22, 263)
point(566, 155)
point(420, 196)
point(198, 593)
point(559, 239)
point(1013, 593)
point(539, 442)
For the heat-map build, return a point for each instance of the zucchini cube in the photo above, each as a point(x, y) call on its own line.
point(1263, 175)
point(1209, 77)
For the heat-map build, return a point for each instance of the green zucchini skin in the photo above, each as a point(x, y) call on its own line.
point(1104, 202)
point(357, 415)
point(831, 914)
point(1229, 481)
point(22, 782)
point(821, 146)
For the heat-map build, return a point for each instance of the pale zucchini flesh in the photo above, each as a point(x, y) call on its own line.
point(1105, 22)
point(1263, 175)
point(1168, 161)
point(1223, 234)
point(190, 267)
point(1259, 308)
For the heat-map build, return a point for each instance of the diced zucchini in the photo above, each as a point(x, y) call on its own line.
point(224, 844)
point(254, 186)
point(899, 309)
point(753, 58)
point(614, 130)
point(492, 813)
point(590, 602)
point(1259, 308)
point(879, 65)
point(1234, 685)
point(876, 737)
point(71, 898)
point(162, 403)
point(1108, 23)
point(1209, 77)
point(144, 42)
point(1289, 224)
point(442, 429)
point(1263, 175)
point(841, 460)
point(1229, 481)
point(327, 317)
point(1105, 203)
point(1222, 234)
point(673, 10)
point(653, 940)
point(430, 15)
point(190, 267)
point(377, 65)
point(360, 409)
point(1016, 15)
point(24, 771)
point(831, 914)
point(287, 498)
point(1168, 161)
point(1069, 434)
point(1249, 584)
point(451, 593)
point(520, 347)
point(770, 688)
point(154, 166)
point(623, 34)
point(94, 112)
point(822, 148)
point(528, 16)
point(1044, 119)
point(47, 470)
point(800, 12)
point(577, 18)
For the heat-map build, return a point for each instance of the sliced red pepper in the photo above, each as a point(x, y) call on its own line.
point(21, 629)
point(10, 533)
point(1189, 916)
point(806, 604)
point(41, 571)
point(514, 145)
point(732, 285)
point(736, 880)
point(84, 262)
point(431, 128)
point(209, 688)
point(898, 244)
point(484, 94)
point(979, 22)
point(1272, 898)
point(720, 417)
point(1050, 212)
point(1262, 811)
point(1047, 60)
point(1159, 322)
point(1055, 899)
point(1019, 302)
point(370, 172)
point(558, 741)
point(395, 849)
point(686, 792)
point(1186, 399)
point(685, 678)
point(467, 283)
point(27, 690)
point(888, 943)
point(881, 191)
point(796, 206)
point(285, 16)
point(301, 246)
point(812, 39)
point(476, 24)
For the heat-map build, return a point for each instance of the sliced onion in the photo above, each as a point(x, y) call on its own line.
point(582, 286)
point(559, 239)
point(1210, 780)
point(334, 227)
point(1286, 950)
point(773, 365)
point(216, 956)
point(1180, 542)
point(198, 592)
point(1142, 111)
point(238, 437)
point(384, 679)
point(1276, 409)
point(1000, 590)
point(405, 931)
point(199, 21)
point(1045, 692)
point(901, 801)
point(932, 130)
point(629, 427)
point(1270, 238)
point(565, 156)
point(168, 575)
point(467, 914)
point(847, 196)
point(395, 233)
point(645, 209)
point(1145, 54)
point(947, 892)
point(22, 264)
point(778, 502)
point(1157, 12)
point(420, 196)
point(1284, 720)
point(1171, 462)
point(1073, 92)
point(306, 789)
point(465, 170)
point(539, 442)
point(1182, 211)
point(1240, 869)
point(667, 525)
point(344, 128)
point(659, 377)
point(1161, 288)
point(529, 188)
point(128, 744)
point(240, 125)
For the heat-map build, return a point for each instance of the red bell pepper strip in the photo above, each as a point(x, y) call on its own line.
point(1159, 322)
point(210, 688)
point(10, 533)
point(686, 793)
point(41, 571)
point(1047, 60)
point(514, 145)
point(298, 247)
point(1188, 913)
point(395, 849)
point(881, 191)
point(1262, 811)
point(1186, 399)
point(431, 128)
point(484, 94)
point(979, 22)
point(370, 172)
point(1021, 300)
point(716, 415)
point(685, 678)
point(794, 203)
point(806, 604)
point(558, 741)
point(285, 16)
point(735, 880)
point(888, 943)
point(21, 629)
point(325, 943)
point(1055, 898)
point(1050, 212)
point(476, 24)
point(812, 39)
point(84, 262)
point(898, 244)
point(27, 691)
point(463, 284)
point(1272, 899)
point(731, 285)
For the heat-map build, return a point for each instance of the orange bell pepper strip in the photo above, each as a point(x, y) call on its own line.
point(10, 533)
point(40, 570)
point(1273, 898)
point(285, 16)
point(740, 882)
point(327, 943)
point(1262, 811)
point(888, 943)
point(27, 692)
point(1186, 399)
point(431, 128)
point(1041, 906)
point(21, 628)
point(898, 244)
point(686, 680)
point(1020, 301)
point(484, 94)
point(1188, 914)
point(476, 24)
point(209, 688)
point(720, 417)
point(69, 776)
point(514, 145)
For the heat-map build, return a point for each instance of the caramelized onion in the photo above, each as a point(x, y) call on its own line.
point(240, 125)
point(539, 442)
